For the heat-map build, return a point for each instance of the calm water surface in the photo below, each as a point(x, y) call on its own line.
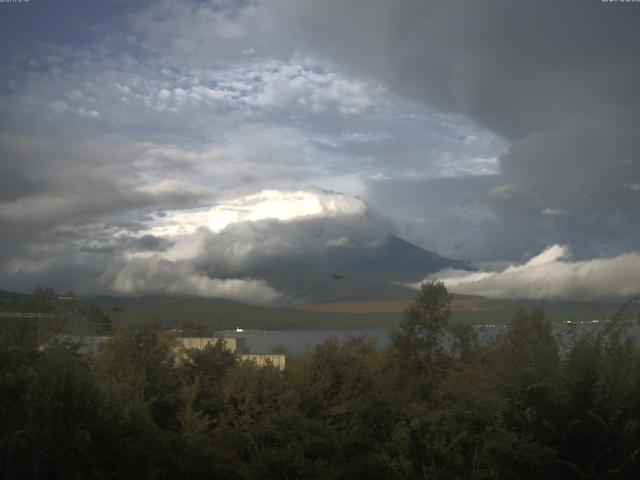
point(296, 342)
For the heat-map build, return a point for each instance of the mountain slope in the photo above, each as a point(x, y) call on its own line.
point(353, 272)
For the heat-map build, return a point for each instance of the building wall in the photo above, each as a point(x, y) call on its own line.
point(199, 343)
point(234, 345)
point(93, 344)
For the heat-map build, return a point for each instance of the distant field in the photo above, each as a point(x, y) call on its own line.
point(458, 304)
point(385, 306)
point(172, 312)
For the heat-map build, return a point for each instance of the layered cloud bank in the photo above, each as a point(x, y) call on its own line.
point(551, 275)
point(211, 251)
point(168, 147)
point(157, 276)
point(216, 251)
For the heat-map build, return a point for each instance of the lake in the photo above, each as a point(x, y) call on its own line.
point(296, 342)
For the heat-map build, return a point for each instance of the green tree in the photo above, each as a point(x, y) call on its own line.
point(64, 416)
point(206, 369)
point(99, 319)
point(42, 300)
point(420, 335)
point(463, 340)
point(137, 368)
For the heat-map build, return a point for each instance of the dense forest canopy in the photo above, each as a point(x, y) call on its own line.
point(520, 406)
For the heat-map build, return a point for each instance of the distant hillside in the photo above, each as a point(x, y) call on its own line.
point(9, 294)
point(396, 256)
point(214, 314)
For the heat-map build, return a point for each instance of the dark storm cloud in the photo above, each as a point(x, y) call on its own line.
point(247, 246)
point(590, 162)
point(516, 66)
point(53, 194)
point(229, 263)
point(146, 243)
point(558, 80)
point(457, 217)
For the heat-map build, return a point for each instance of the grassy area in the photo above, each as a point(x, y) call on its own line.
point(213, 314)
point(458, 304)
point(221, 314)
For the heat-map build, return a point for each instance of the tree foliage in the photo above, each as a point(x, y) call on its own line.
point(437, 403)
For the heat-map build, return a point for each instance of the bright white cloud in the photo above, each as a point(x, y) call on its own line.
point(267, 204)
point(551, 275)
point(139, 277)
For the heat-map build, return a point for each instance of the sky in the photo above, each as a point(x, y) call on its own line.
point(161, 147)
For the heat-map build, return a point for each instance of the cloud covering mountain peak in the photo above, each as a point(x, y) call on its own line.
point(271, 204)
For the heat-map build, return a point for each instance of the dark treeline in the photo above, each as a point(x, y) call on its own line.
point(521, 406)
point(47, 301)
point(41, 300)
